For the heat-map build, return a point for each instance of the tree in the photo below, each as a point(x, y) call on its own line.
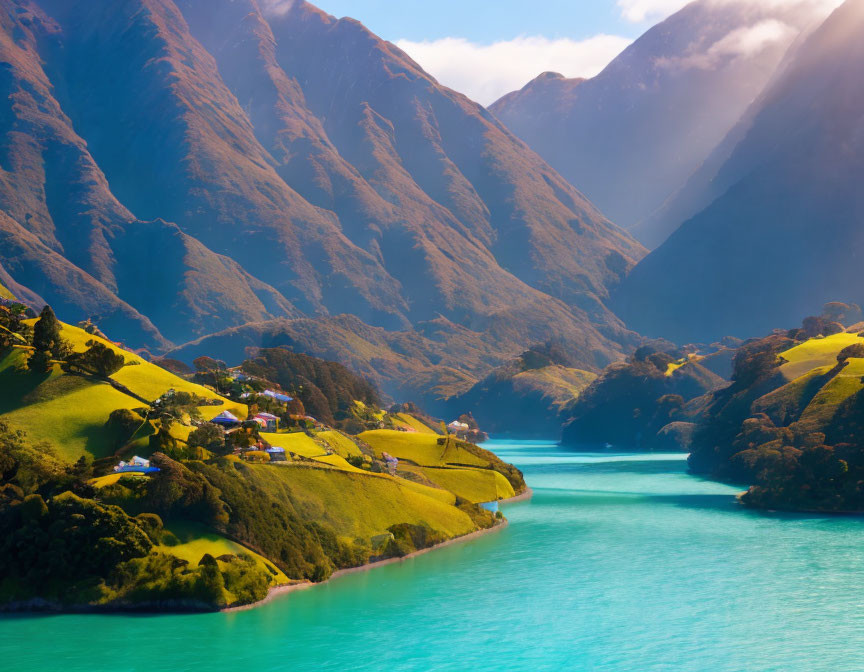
point(209, 437)
point(98, 360)
point(854, 351)
point(204, 364)
point(47, 342)
point(13, 331)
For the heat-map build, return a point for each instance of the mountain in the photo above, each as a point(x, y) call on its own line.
point(231, 163)
point(527, 397)
point(645, 403)
point(631, 136)
point(782, 235)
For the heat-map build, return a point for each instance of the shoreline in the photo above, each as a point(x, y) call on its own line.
point(39, 606)
point(278, 591)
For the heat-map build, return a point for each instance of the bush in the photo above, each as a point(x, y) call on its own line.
point(856, 350)
point(209, 437)
point(98, 360)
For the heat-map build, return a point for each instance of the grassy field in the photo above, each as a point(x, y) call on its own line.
point(408, 420)
point(295, 442)
point(196, 540)
point(814, 353)
point(339, 443)
point(475, 485)
point(339, 462)
point(359, 504)
point(5, 293)
point(824, 404)
point(421, 449)
point(70, 412)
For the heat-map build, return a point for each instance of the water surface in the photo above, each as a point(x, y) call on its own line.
point(620, 563)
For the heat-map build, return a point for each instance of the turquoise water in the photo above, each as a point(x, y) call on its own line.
point(619, 563)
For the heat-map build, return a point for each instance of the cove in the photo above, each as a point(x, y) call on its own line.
point(618, 563)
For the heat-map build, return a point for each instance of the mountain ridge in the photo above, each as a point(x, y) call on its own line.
point(287, 165)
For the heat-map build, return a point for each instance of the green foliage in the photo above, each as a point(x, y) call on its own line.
point(47, 342)
point(409, 538)
point(630, 403)
point(13, 330)
point(98, 360)
point(328, 390)
point(46, 547)
point(176, 491)
point(32, 468)
point(209, 437)
point(122, 426)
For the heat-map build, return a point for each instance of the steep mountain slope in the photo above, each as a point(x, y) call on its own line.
point(631, 136)
point(284, 164)
point(70, 240)
point(784, 235)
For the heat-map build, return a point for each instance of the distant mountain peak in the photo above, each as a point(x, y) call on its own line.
point(631, 136)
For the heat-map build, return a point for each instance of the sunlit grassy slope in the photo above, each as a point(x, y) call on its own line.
point(339, 443)
point(475, 485)
point(359, 504)
point(69, 412)
point(197, 540)
point(295, 442)
point(5, 293)
point(816, 388)
point(422, 449)
point(814, 353)
point(408, 420)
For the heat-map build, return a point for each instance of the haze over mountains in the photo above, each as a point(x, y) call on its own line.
point(228, 163)
point(631, 136)
point(778, 232)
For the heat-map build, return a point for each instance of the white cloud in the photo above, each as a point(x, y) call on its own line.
point(275, 7)
point(486, 72)
point(638, 11)
point(744, 42)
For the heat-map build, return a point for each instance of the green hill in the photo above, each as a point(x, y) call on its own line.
point(69, 411)
point(213, 527)
point(790, 423)
point(528, 396)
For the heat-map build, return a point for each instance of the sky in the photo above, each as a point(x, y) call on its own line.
point(486, 48)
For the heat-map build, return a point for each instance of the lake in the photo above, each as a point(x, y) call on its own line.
point(619, 563)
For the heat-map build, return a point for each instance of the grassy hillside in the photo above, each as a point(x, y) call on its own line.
point(475, 485)
point(814, 353)
point(409, 421)
point(5, 293)
point(70, 411)
point(295, 442)
point(465, 470)
point(359, 504)
point(790, 423)
point(421, 449)
point(215, 523)
point(193, 541)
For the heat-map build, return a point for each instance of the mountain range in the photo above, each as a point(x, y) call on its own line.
point(773, 226)
point(230, 162)
point(631, 136)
